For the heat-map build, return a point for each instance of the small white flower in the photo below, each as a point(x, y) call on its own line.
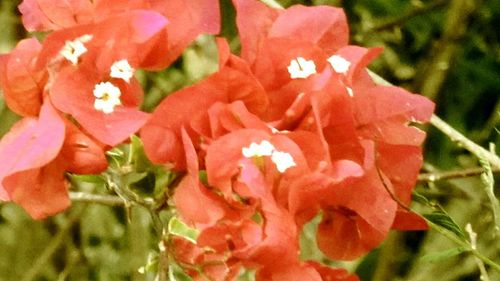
point(350, 92)
point(282, 160)
point(265, 148)
point(301, 68)
point(339, 64)
point(122, 69)
point(107, 97)
point(72, 50)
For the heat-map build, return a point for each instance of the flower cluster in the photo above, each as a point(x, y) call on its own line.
point(292, 129)
point(76, 90)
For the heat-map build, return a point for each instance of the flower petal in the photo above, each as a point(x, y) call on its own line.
point(47, 15)
point(22, 84)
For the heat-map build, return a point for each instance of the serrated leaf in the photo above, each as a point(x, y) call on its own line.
point(178, 228)
point(444, 220)
point(443, 255)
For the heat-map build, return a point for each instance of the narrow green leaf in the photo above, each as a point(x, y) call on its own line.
point(138, 156)
point(417, 197)
point(444, 220)
point(178, 228)
point(443, 255)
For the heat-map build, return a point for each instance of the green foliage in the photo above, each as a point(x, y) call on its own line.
point(444, 220)
point(178, 228)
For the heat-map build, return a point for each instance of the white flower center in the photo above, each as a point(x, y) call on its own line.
point(72, 50)
point(339, 64)
point(107, 96)
point(265, 148)
point(350, 92)
point(301, 68)
point(121, 69)
point(282, 160)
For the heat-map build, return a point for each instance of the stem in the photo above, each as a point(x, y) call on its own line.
point(272, 4)
point(472, 147)
point(489, 186)
point(387, 24)
point(473, 243)
point(434, 73)
point(109, 200)
point(52, 247)
point(464, 244)
point(465, 173)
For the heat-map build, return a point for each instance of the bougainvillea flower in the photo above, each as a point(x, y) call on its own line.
point(332, 274)
point(46, 15)
point(323, 26)
point(21, 83)
point(30, 174)
point(208, 209)
point(105, 44)
point(348, 113)
point(36, 154)
point(72, 92)
point(233, 82)
point(188, 19)
point(82, 154)
point(273, 250)
point(100, 91)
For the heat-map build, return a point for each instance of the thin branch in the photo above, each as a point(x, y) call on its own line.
point(434, 73)
point(437, 176)
point(473, 243)
point(52, 247)
point(390, 23)
point(456, 136)
point(109, 200)
point(464, 244)
point(272, 4)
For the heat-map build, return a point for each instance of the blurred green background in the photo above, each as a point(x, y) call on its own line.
point(446, 50)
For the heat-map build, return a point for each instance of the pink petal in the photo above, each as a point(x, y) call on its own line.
point(47, 15)
point(22, 84)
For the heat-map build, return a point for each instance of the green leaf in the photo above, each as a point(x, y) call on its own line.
point(95, 179)
point(178, 228)
point(133, 177)
point(443, 255)
point(151, 265)
point(444, 220)
point(417, 197)
point(175, 273)
point(202, 175)
point(138, 157)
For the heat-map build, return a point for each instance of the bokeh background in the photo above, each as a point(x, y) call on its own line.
point(447, 50)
